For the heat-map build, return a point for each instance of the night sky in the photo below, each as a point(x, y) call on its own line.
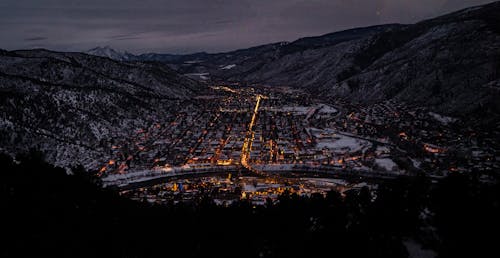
point(183, 26)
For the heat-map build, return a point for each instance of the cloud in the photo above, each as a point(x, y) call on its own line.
point(180, 26)
point(35, 38)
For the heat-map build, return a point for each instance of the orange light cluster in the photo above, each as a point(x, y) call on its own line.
point(121, 168)
point(431, 149)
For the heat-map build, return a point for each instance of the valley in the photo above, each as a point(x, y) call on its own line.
point(250, 128)
point(271, 131)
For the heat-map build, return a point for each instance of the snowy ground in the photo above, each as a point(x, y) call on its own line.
point(386, 164)
point(228, 67)
point(326, 109)
point(342, 143)
point(201, 76)
point(442, 119)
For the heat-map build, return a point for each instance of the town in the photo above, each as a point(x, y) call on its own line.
point(271, 131)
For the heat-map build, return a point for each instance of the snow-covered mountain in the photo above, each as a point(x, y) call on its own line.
point(107, 51)
point(75, 107)
point(450, 64)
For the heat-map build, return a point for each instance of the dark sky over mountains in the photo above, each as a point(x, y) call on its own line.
point(182, 26)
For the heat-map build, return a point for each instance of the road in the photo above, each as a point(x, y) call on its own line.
point(247, 143)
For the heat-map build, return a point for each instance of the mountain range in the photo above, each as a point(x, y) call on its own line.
point(450, 64)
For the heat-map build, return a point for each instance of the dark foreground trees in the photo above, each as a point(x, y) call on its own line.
point(48, 213)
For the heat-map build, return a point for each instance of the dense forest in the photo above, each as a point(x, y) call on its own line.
point(50, 213)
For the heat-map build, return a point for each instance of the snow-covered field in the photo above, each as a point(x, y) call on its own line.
point(341, 143)
point(387, 164)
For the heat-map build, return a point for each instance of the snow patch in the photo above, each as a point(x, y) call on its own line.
point(442, 119)
point(387, 164)
point(228, 67)
point(326, 109)
point(201, 76)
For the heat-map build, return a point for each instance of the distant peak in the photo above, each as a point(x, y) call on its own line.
point(101, 48)
point(109, 52)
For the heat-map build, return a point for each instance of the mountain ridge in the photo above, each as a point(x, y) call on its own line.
point(422, 64)
point(74, 106)
point(449, 63)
